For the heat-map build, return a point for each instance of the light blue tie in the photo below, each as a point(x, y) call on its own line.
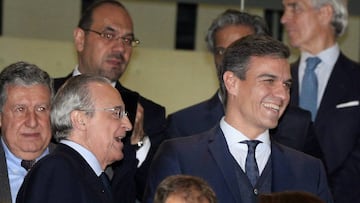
point(309, 87)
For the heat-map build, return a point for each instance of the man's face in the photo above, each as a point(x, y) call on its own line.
point(105, 129)
point(25, 120)
point(226, 36)
point(98, 55)
point(256, 103)
point(304, 24)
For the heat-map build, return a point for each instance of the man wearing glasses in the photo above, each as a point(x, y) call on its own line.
point(104, 40)
point(88, 120)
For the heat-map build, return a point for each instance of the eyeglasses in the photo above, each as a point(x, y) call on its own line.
point(219, 51)
point(118, 111)
point(111, 37)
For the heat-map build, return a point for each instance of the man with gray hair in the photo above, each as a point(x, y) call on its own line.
point(327, 83)
point(88, 119)
point(25, 95)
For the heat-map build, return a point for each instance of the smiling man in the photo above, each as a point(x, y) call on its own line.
point(89, 120)
point(237, 157)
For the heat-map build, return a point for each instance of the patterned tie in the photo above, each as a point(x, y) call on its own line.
point(309, 87)
point(27, 164)
point(251, 168)
point(105, 180)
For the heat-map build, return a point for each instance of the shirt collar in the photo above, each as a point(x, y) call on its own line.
point(10, 157)
point(232, 135)
point(327, 56)
point(77, 72)
point(86, 154)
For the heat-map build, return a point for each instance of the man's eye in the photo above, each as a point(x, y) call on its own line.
point(41, 108)
point(269, 80)
point(108, 36)
point(127, 41)
point(19, 109)
point(287, 85)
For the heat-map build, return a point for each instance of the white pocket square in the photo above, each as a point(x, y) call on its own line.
point(348, 104)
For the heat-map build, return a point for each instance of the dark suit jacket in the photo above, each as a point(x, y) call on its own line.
point(154, 126)
point(62, 176)
point(295, 128)
point(338, 129)
point(206, 155)
point(5, 192)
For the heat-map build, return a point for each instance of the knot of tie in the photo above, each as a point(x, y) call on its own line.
point(311, 63)
point(309, 87)
point(27, 164)
point(251, 167)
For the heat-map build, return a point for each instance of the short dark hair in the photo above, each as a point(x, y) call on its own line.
point(86, 19)
point(238, 54)
point(186, 186)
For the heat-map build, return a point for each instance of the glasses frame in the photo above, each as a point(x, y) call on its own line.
point(118, 112)
point(112, 37)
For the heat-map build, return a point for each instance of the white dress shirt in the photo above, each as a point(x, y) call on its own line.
point(239, 150)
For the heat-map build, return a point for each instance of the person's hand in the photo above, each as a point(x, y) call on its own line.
point(138, 128)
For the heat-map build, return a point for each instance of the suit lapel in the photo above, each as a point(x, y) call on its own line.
point(281, 172)
point(5, 194)
point(338, 87)
point(224, 160)
point(295, 84)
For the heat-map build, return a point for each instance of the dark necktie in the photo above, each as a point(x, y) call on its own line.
point(251, 168)
point(105, 180)
point(27, 164)
point(309, 87)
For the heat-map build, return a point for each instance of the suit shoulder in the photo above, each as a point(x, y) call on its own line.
point(193, 110)
point(147, 103)
point(192, 140)
point(293, 154)
point(60, 81)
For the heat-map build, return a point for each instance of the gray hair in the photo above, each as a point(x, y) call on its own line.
point(234, 17)
point(74, 94)
point(23, 74)
point(237, 56)
point(340, 16)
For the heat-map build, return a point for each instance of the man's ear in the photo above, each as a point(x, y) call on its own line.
point(79, 39)
point(230, 82)
point(326, 14)
point(78, 119)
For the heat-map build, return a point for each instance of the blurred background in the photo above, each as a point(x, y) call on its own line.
point(171, 66)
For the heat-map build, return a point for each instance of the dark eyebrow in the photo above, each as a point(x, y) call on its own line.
point(266, 75)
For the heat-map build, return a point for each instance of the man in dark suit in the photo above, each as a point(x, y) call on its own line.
point(25, 95)
point(228, 27)
point(335, 108)
point(89, 120)
point(237, 157)
point(104, 40)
